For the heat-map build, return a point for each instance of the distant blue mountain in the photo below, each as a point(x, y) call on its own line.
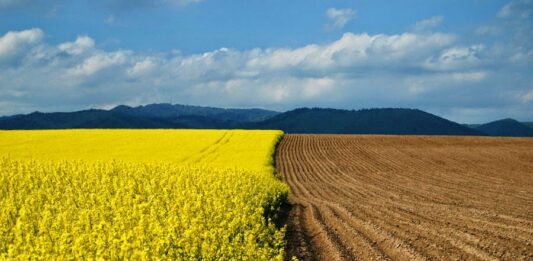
point(82, 119)
point(529, 124)
point(165, 110)
point(149, 116)
point(506, 127)
point(368, 121)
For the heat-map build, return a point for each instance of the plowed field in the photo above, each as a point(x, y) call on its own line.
point(408, 198)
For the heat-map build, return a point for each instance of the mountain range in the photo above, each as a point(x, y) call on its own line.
point(303, 120)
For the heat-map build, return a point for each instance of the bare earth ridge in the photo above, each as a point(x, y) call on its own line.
point(408, 197)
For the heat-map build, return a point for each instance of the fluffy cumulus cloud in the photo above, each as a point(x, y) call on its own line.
point(15, 44)
point(13, 40)
point(339, 17)
point(430, 70)
point(351, 52)
point(97, 62)
point(82, 44)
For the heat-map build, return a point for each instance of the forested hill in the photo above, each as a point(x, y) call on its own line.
point(368, 121)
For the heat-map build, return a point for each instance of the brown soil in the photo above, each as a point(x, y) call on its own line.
point(408, 197)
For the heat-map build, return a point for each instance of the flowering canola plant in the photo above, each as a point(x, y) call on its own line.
point(140, 194)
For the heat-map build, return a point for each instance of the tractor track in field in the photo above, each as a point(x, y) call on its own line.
point(408, 197)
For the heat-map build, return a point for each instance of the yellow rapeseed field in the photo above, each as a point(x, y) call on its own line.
point(139, 194)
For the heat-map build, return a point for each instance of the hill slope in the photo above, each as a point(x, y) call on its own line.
point(165, 110)
point(506, 127)
point(368, 121)
point(82, 119)
point(529, 124)
point(149, 116)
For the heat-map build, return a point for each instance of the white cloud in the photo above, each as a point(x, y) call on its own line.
point(13, 42)
point(339, 17)
point(519, 9)
point(81, 45)
point(456, 58)
point(427, 24)
point(141, 67)
point(313, 88)
point(98, 62)
point(352, 50)
point(427, 70)
point(273, 90)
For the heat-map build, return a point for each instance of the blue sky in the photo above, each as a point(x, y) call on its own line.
point(469, 61)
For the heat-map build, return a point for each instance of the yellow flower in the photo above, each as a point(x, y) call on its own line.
point(139, 194)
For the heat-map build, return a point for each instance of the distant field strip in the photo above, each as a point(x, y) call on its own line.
point(140, 194)
point(250, 150)
point(408, 198)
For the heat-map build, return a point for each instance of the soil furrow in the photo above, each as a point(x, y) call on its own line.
point(360, 197)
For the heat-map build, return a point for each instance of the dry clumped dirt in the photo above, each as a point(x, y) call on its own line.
point(408, 197)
